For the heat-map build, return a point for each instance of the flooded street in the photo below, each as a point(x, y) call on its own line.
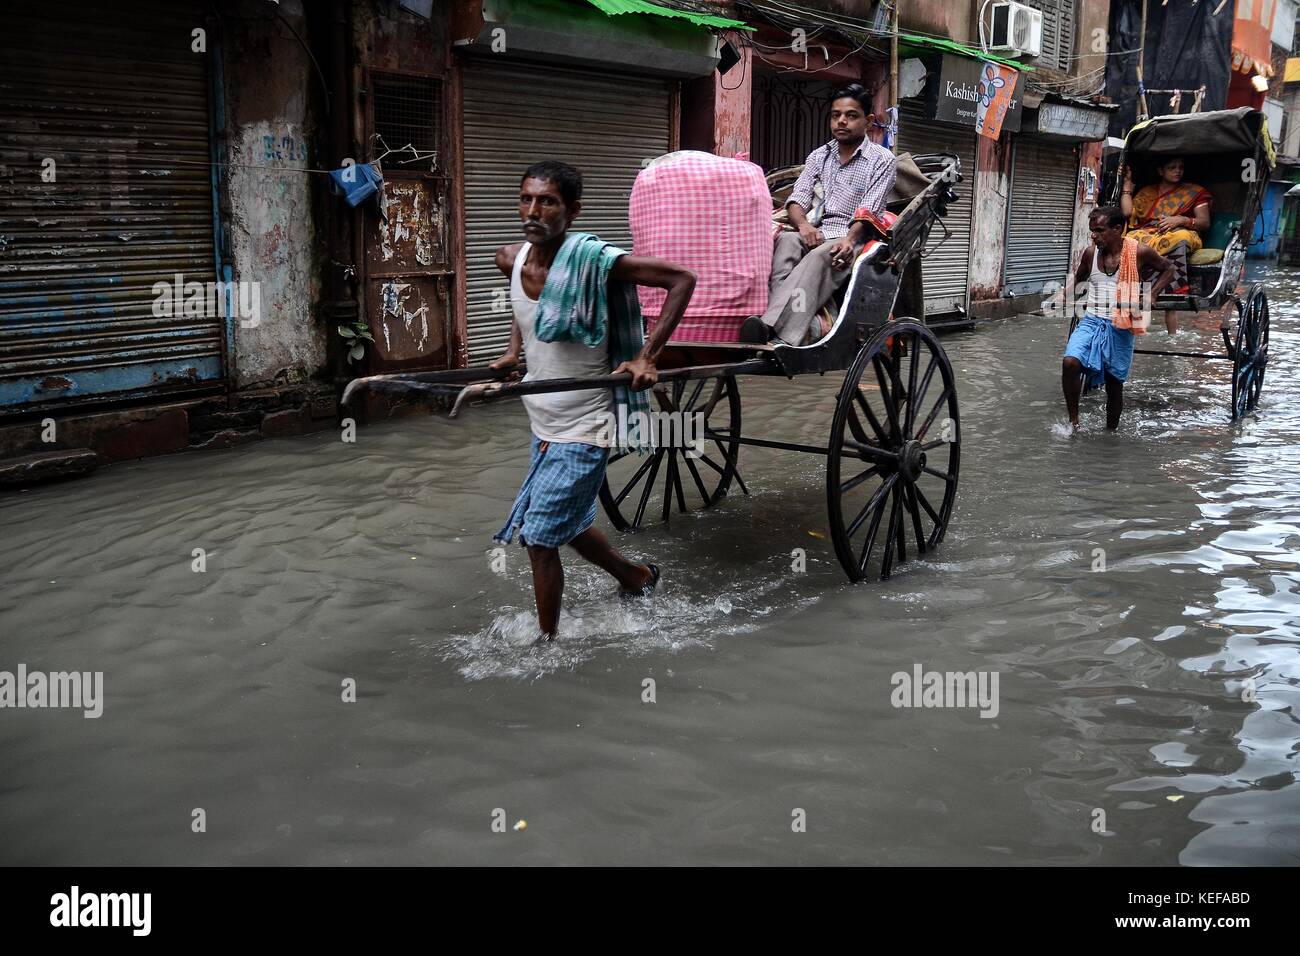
point(1120, 690)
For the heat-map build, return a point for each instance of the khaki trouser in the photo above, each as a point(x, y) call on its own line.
point(803, 280)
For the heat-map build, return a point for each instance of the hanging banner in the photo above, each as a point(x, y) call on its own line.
point(997, 86)
point(956, 88)
point(1252, 37)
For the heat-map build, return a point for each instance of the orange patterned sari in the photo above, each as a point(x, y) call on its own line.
point(1153, 202)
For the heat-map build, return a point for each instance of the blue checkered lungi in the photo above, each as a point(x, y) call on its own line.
point(1101, 349)
point(557, 501)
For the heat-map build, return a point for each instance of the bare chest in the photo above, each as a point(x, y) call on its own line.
point(533, 279)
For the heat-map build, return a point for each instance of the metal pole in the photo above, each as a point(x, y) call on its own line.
point(1143, 112)
point(893, 62)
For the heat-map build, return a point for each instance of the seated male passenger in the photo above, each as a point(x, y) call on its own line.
point(811, 262)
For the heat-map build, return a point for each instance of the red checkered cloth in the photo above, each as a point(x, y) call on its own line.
point(713, 216)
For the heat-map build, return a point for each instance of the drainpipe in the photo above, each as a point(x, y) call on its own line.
point(341, 306)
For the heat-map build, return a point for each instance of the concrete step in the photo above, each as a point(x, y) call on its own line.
point(47, 466)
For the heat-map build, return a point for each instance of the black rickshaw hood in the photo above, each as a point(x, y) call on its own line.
point(1241, 130)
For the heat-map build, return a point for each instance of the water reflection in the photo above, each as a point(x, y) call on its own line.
point(1162, 690)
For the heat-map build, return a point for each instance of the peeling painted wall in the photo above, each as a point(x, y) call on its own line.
point(270, 219)
point(942, 18)
point(988, 230)
point(408, 261)
point(403, 319)
point(272, 235)
point(1093, 27)
point(411, 223)
point(1087, 194)
point(732, 97)
point(390, 38)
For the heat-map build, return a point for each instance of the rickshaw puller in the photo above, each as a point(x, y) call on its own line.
point(1103, 347)
point(576, 315)
point(810, 264)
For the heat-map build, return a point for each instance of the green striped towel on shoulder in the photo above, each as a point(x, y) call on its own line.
point(578, 305)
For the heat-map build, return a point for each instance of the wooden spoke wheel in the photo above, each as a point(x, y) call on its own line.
point(1249, 352)
point(895, 447)
point(639, 487)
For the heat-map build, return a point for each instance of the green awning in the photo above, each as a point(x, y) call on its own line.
point(615, 7)
point(952, 46)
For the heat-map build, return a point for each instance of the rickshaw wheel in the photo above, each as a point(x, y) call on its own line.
point(894, 450)
point(1249, 352)
point(632, 482)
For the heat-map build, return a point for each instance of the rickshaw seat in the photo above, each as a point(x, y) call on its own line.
point(1203, 276)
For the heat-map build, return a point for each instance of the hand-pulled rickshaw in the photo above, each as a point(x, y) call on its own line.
point(1230, 153)
point(894, 443)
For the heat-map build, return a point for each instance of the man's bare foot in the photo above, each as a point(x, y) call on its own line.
point(544, 639)
point(645, 583)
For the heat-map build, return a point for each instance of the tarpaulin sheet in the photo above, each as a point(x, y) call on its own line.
point(713, 216)
point(615, 7)
point(908, 184)
point(911, 41)
point(1187, 47)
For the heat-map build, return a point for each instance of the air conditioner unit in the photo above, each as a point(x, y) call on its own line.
point(1017, 29)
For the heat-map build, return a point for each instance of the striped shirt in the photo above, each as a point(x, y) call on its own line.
point(865, 180)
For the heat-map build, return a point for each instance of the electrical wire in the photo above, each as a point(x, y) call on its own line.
point(329, 100)
point(1089, 83)
point(280, 169)
point(781, 68)
point(792, 11)
point(744, 68)
point(774, 48)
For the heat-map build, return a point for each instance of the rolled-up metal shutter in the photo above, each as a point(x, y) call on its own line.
point(946, 272)
point(1040, 214)
point(605, 124)
point(110, 102)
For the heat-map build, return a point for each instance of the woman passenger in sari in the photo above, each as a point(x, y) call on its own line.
point(1168, 212)
point(1169, 216)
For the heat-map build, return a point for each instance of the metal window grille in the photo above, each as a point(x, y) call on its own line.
point(407, 109)
point(790, 119)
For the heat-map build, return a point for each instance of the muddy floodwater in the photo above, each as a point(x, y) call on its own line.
point(1154, 701)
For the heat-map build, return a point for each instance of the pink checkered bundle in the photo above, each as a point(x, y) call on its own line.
point(714, 216)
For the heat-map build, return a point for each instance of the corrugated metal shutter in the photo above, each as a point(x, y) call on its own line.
point(1040, 214)
point(113, 94)
point(946, 272)
point(605, 124)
